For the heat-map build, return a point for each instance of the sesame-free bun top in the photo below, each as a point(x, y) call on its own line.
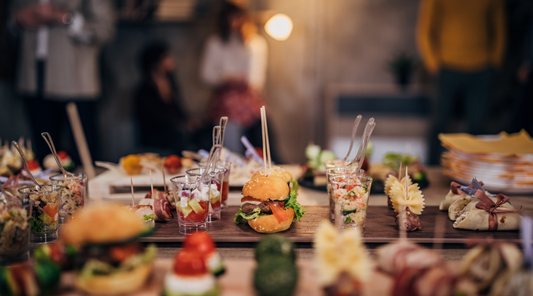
point(263, 188)
point(274, 172)
point(102, 223)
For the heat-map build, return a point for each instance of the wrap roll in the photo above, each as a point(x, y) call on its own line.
point(488, 213)
point(459, 206)
point(453, 195)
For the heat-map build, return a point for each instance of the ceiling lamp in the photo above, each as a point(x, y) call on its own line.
point(279, 27)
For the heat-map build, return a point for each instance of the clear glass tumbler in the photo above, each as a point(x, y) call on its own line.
point(44, 219)
point(216, 177)
point(350, 193)
point(15, 229)
point(192, 202)
point(225, 166)
point(333, 171)
point(73, 193)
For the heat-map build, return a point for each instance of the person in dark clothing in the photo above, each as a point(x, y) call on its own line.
point(162, 119)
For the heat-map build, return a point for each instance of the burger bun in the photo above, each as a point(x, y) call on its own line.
point(266, 188)
point(270, 224)
point(123, 283)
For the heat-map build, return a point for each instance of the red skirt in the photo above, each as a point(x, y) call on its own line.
point(238, 102)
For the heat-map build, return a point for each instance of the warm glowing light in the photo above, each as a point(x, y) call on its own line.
point(279, 27)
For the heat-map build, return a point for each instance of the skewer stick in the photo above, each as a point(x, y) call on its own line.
point(400, 172)
point(267, 140)
point(132, 195)
point(164, 180)
point(264, 140)
point(152, 185)
point(81, 141)
point(407, 197)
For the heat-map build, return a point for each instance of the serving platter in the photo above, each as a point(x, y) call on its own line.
point(380, 228)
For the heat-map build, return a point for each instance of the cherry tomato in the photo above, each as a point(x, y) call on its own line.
point(201, 242)
point(189, 262)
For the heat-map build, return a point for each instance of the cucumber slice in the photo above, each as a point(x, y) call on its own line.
point(344, 213)
point(46, 219)
point(186, 211)
point(196, 207)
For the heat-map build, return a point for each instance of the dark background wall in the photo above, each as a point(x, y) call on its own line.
point(342, 42)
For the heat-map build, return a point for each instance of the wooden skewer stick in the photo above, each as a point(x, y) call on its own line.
point(264, 140)
point(407, 197)
point(132, 195)
point(400, 172)
point(267, 140)
point(152, 185)
point(164, 180)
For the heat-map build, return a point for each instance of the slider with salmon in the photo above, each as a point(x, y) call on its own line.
point(269, 205)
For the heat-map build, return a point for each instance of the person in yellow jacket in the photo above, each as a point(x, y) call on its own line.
point(461, 43)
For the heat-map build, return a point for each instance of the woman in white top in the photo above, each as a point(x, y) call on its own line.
point(234, 64)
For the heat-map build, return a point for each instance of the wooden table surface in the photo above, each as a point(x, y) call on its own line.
point(314, 201)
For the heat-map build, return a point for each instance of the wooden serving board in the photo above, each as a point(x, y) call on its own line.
point(380, 228)
point(238, 280)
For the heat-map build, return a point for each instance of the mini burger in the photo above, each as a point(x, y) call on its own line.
point(110, 261)
point(268, 204)
point(275, 171)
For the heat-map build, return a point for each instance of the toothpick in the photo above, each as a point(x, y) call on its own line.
point(152, 185)
point(164, 181)
point(264, 141)
point(132, 195)
point(407, 197)
point(438, 233)
point(267, 140)
point(400, 172)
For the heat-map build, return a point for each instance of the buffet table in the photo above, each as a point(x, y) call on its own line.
point(237, 241)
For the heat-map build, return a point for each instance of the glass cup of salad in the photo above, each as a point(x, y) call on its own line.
point(331, 172)
point(44, 220)
point(350, 192)
point(192, 202)
point(225, 166)
point(14, 229)
point(73, 193)
point(216, 177)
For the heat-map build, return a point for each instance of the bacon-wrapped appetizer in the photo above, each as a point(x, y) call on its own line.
point(159, 203)
point(420, 271)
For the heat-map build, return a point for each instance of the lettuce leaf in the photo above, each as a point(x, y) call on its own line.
point(293, 203)
point(242, 215)
point(95, 267)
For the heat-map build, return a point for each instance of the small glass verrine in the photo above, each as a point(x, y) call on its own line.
point(350, 193)
point(216, 177)
point(225, 166)
point(14, 229)
point(192, 202)
point(73, 193)
point(44, 219)
point(334, 171)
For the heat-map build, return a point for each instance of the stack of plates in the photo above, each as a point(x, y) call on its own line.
point(500, 172)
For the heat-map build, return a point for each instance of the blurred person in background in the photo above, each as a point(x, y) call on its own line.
point(521, 117)
point(234, 64)
point(461, 43)
point(163, 121)
point(60, 43)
